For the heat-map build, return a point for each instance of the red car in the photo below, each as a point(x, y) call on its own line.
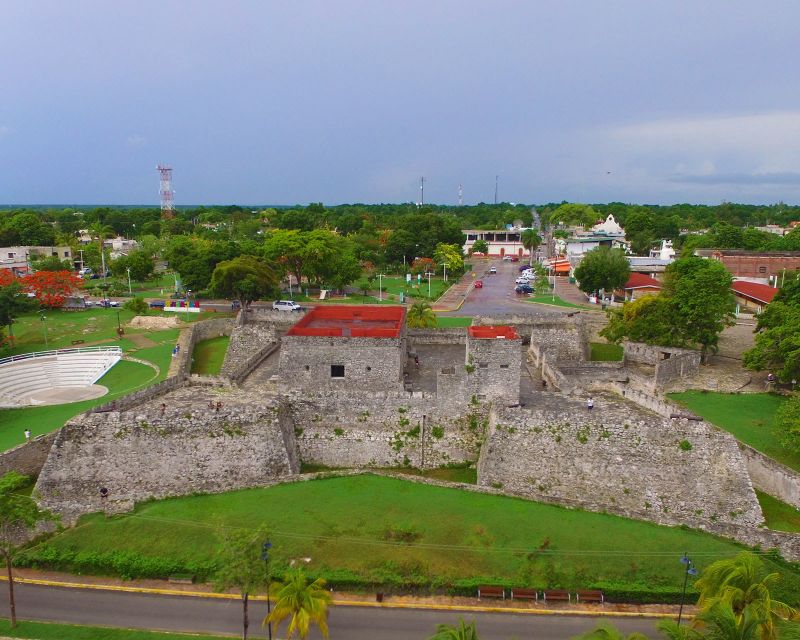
point(479, 284)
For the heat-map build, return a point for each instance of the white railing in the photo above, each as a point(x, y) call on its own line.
point(112, 351)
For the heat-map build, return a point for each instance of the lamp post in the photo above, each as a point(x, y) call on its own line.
point(444, 264)
point(690, 571)
point(429, 274)
point(130, 291)
point(380, 288)
point(265, 557)
point(44, 324)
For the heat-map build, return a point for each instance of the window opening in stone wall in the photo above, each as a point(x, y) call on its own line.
point(307, 367)
point(504, 366)
point(369, 368)
point(337, 371)
point(483, 365)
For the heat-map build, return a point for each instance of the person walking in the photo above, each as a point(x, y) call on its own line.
point(27, 435)
point(590, 404)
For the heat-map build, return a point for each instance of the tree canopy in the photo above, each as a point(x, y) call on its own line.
point(245, 279)
point(603, 269)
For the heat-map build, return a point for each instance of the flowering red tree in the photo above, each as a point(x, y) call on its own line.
point(6, 277)
point(51, 287)
point(423, 265)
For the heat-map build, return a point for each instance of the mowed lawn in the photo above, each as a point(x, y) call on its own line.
point(549, 299)
point(779, 515)
point(750, 417)
point(605, 352)
point(54, 631)
point(390, 531)
point(209, 354)
point(445, 322)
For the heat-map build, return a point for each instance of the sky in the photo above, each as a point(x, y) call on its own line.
point(337, 101)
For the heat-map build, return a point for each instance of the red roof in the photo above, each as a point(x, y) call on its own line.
point(754, 291)
point(641, 281)
point(351, 321)
point(490, 332)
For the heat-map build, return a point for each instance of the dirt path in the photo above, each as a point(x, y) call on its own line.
point(141, 341)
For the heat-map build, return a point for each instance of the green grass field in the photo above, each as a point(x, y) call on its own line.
point(548, 299)
point(371, 529)
point(453, 321)
point(209, 354)
point(779, 515)
point(54, 631)
point(750, 417)
point(605, 352)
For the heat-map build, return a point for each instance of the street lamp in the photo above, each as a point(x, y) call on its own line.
point(130, 291)
point(690, 571)
point(380, 290)
point(44, 324)
point(429, 274)
point(444, 264)
point(265, 557)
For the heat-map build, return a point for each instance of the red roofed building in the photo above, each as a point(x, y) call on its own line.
point(752, 295)
point(639, 284)
point(346, 347)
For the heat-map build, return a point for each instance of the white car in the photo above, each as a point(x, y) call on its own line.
point(286, 305)
point(522, 280)
point(492, 270)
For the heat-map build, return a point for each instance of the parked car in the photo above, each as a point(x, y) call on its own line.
point(492, 270)
point(524, 267)
point(514, 258)
point(286, 305)
point(479, 284)
point(508, 258)
point(522, 280)
point(523, 288)
point(157, 304)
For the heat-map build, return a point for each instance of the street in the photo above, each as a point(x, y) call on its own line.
point(208, 615)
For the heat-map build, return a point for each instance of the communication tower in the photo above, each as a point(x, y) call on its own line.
point(166, 192)
point(460, 195)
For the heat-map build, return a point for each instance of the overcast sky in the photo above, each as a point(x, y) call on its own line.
point(347, 101)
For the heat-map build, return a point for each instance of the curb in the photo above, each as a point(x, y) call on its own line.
point(349, 603)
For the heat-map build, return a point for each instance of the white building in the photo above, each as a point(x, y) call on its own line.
point(18, 259)
point(502, 242)
point(120, 246)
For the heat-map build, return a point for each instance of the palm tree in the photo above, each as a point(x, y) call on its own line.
point(741, 583)
point(531, 241)
point(721, 623)
point(421, 316)
point(452, 632)
point(606, 631)
point(302, 602)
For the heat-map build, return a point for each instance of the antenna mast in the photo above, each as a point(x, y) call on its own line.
point(422, 190)
point(495, 188)
point(460, 195)
point(166, 192)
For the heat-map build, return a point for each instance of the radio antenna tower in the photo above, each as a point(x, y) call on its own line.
point(496, 178)
point(460, 195)
point(422, 190)
point(166, 192)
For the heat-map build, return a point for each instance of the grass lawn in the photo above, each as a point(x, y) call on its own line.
point(395, 284)
point(374, 529)
point(548, 299)
point(453, 321)
point(209, 354)
point(55, 631)
point(779, 515)
point(605, 352)
point(750, 417)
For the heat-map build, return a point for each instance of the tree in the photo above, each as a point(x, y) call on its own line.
point(13, 301)
point(573, 213)
point(137, 305)
point(451, 255)
point(423, 266)
point(245, 279)
point(700, 293)
point(241, 566)
point(140, 263)
point(421, 316)
point(531, 241)
point(648, 319)
point(606, 631)
point(19, 514)
point(742, 584)
point(462, 631)
point(603, 268)
point(787, 423)
point(51, 287)
point(480, 246)
point(303, 603)
point(51, 263)
point(286, 249)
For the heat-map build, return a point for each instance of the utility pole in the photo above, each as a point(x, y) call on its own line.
point(130, 291)
point(380, 289)
point(496, 178)
point(422, 190)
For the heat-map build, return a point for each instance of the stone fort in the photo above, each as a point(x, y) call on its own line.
point(351, 387)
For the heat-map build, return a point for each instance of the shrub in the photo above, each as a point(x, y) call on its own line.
point(685, 445)
point(137, 305)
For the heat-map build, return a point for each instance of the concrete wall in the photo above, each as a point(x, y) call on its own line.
point(670, 363)
point(619, 457)
point(150, 452)
point(449, 335)
point(27, 458)
point(369, 363)
point(772, 477)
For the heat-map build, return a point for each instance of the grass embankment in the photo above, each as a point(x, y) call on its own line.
point(605, 352)
point(750, 417)
point(445, 322)
point(56, 631)
point(779, 515)
point(364, 532)
point(548, 299)
point(209, 354)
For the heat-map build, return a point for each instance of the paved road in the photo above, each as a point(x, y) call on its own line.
point(497, 295)
point(200, 615)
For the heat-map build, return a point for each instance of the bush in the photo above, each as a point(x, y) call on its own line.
point(137, 305)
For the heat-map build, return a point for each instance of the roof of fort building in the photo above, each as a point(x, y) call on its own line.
point(351, 321)
point(490, 332)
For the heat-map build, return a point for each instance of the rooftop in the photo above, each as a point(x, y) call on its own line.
point(754, 290)
point(493, 332)
point(356, 321)
point(640, 281)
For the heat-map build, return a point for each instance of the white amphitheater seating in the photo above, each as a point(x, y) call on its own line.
point(23, 375)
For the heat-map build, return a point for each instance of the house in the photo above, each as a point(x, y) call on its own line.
point(502, 242)
point(18, 259)
point(752, 295)
point(120, 246)
point(640, 284)
point(765, 266)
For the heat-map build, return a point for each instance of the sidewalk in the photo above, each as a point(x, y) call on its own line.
point(441, 603)
point(454, 297)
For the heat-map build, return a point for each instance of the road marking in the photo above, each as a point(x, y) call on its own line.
point(349, 603)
